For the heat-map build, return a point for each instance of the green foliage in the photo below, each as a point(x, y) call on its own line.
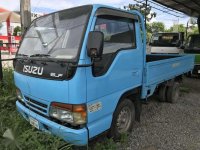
point(7, 87)
point(148, 27)
point(16, 30)
point(144, 9)
point(124, 138)
point(108, 144)
point(194, 30)
point(177, 28)
point(156, 27)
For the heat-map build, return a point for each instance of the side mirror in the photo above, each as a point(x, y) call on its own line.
point(95, 44)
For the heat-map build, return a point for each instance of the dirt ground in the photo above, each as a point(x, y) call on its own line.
point(166, 126)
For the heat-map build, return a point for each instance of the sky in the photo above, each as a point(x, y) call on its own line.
point(47, 6)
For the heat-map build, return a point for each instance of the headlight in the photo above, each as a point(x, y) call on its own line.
point(74, 114)
point(19, 95)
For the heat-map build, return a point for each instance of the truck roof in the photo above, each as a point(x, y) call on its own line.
point(105, 10)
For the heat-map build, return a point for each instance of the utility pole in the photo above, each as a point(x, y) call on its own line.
point(145, 13)
point(25, 11)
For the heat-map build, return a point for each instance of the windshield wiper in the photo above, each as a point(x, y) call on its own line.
point(48, 59)
point(22, 55)
point(40, 55)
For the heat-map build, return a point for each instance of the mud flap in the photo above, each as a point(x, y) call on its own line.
point(138, 108)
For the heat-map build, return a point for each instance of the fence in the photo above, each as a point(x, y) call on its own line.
point(7, 51)
point(9, 47)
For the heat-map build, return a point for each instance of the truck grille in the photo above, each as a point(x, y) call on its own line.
point(36, 106)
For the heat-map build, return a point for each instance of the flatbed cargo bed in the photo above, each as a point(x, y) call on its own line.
point(161, 68)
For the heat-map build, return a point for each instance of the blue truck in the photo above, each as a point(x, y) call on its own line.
point(84, 71)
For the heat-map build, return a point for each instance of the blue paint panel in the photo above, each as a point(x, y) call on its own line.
point(125, 67)
point(162, 70)
point(77, 88)
point(21, 83)
point(46, 90)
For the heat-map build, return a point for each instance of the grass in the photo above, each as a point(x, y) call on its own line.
point(17, 134)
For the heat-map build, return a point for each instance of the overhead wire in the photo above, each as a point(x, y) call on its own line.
point(170, 9)
point(141, 2)
point(38, 2)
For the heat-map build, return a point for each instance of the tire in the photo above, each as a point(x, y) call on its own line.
point(162, 93)
point(189, 74)
point(173, 93)
point(123, 119)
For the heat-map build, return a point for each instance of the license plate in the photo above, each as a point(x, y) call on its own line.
point(198, 71)
point(34, 122)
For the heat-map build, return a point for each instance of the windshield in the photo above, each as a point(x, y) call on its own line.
point(165, 39)
point(58, 35)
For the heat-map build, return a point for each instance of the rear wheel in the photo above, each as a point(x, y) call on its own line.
point(173, 93)
point(162, 93)
point(189, 74)
point(123, 119)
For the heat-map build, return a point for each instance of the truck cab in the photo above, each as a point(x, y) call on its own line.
point(84, 71)
point(166, 42)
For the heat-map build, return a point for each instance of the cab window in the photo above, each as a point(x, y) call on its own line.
point(119, 34)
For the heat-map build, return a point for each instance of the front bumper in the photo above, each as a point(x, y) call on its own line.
point(196, 69)
point(73, 136)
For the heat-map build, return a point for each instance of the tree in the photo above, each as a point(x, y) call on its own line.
point(156, 27)
point(143, 9)
point(17, 29)
point(177, 28)
point(195, 30)
point(192, 30)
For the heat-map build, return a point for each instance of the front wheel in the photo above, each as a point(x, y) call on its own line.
point(123, 119)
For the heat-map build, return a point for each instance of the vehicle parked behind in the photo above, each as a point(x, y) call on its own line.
point(166, 42)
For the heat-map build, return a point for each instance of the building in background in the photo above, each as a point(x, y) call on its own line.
point(9, 20)
point(9, 40)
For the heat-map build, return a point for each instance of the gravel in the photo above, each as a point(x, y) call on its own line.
point(166, 126)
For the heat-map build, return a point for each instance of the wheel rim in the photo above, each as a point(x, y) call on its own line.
point(124, 120)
